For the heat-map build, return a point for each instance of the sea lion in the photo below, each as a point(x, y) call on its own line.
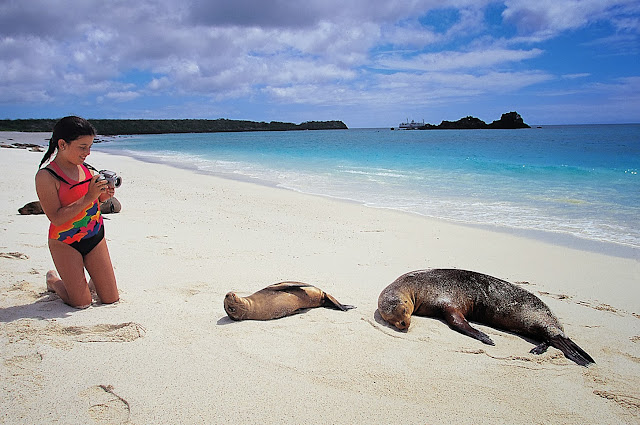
point(111, 205)
point(31, 208)
point(461, 295)
point(279, 300)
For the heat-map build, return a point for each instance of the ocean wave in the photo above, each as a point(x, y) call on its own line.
point(375, 173)
point(502, 188)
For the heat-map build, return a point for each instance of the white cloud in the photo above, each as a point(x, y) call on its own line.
point(157, 84)
point(322, 52)
point(402, 88)
point(290, 14)
point(445, 84)
point(543, 19)
point(124, 96)
point(17, 94)
point(625, 90)
point(625, 86)
point(575, 76)
point(456, 60)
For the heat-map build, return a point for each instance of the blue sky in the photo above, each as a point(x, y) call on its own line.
point(369, 63)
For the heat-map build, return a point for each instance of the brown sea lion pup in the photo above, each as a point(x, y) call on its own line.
point(31, 208)
point(111, 205)
point(461, 295)
point(279, 300)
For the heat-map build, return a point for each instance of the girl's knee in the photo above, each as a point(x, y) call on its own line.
point(107, 291)
point(110, 300)
point(80, 302)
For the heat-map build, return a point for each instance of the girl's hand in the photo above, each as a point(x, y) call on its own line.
point(107, 194)
point(97, 188)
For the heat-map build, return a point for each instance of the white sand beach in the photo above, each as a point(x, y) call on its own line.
point(167, 353)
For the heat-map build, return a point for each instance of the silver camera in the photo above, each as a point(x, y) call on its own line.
point(113, 180)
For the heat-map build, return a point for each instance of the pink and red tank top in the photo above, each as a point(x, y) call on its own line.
point(84, 225)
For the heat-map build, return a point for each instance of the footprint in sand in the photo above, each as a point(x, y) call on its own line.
point(556, 296)
point(123, 332)
point(25, 289)
point(14, 255)
point(625, 400)
point(105, 406)
point(63, 336)
point(602, 307)
point(23, 372)
point(527, 362)
point(21, 366)
point(599, 307)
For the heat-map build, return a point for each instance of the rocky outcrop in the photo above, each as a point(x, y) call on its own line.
point(510, 120)
point(466, 123)
point(31, 146)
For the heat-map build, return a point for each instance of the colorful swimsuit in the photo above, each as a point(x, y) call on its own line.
point(84, 231)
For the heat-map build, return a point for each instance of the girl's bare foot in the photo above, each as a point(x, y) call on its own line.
point(92, 287)
point(52, 276)
point(52, 281)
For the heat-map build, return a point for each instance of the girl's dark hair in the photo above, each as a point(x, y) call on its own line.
point(67, 129)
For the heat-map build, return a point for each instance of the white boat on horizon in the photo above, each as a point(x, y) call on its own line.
point(411, 125)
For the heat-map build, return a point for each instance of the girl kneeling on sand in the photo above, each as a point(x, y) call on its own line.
point(70, 196)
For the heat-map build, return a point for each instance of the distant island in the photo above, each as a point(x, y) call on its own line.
point(510, 120)
point(112, 127)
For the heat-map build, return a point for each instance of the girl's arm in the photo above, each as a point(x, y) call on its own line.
point(47, 190)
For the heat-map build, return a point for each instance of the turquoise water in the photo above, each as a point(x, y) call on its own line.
point(581, 182)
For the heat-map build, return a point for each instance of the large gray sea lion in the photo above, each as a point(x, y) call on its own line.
point(279, 300)
point(461, 295)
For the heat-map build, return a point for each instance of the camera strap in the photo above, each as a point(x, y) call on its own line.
point(71, 186)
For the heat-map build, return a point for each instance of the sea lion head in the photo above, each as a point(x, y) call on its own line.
point(31, 208)
point(396, 310)
point(235, 306)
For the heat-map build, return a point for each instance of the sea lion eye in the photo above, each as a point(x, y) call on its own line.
point(403, 323)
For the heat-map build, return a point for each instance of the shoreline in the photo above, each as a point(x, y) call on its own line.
point(564, 239)
point(167, 353)
point(567, 240)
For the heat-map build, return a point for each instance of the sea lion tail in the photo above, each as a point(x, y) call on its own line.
point(571, 350)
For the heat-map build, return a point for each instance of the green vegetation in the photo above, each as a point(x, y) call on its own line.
point(107, 127)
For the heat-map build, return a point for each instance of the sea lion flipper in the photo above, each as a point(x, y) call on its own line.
point(458, 322)
point(331, 301)
point(283, 286)
point(539, 349)
point(571, 350)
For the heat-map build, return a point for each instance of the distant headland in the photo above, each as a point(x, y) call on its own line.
point(509, 120)
point(112, 127)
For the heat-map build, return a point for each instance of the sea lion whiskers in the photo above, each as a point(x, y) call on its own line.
point(397, 311)
point(236, 306)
